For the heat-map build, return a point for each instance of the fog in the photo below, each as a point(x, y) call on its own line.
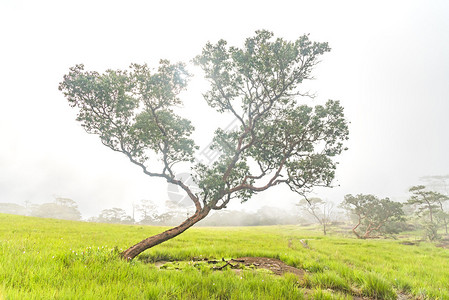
point(388, 66)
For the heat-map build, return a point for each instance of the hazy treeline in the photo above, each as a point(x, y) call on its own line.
point(369, 216)
point(372, 217)
point(148, 213)
point(170, 215)
point(60, 208)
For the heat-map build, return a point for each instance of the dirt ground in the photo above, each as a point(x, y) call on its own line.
point(275, 265)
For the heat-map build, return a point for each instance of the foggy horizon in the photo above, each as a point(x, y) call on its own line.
point(388, 66)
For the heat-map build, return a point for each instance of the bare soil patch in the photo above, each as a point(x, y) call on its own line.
point(443, 244)
point(277, 266)
point(409, 243)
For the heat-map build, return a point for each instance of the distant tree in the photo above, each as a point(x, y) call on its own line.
point(27, 203)
point(442, 215)
point(61, 208)
point(424, 202)
point(321, 210)
point(13, 209)
point(278, 140)
point(373, 215)
point(167, 218)
point(172, 214)
point(93, 219)
point(265, 215)
point(440, 184)
point(148, 211)
point(429, 207)
point(114, 215)
point(66, 202)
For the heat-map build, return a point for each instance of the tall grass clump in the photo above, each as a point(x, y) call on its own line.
point(327, 280)
point(373, 285)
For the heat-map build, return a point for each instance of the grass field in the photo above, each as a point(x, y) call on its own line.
point(55, 259)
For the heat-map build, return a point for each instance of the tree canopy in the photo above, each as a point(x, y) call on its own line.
point(373, 214)
point(114, 215)
point(278, 140)
point(61, 208)
point(428, 206)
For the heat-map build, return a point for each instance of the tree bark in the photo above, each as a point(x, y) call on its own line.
point(130, 253)
point(355, 227)
point(430, 211)
point(444, 217)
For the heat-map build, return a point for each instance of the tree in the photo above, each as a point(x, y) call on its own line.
point(61, 208)
point(439, 184)
point(278, 141)
point(66, 202)
point(319, 209)
point(114, 215)
point(429, 206)
point(171, 213)
point(148, 211)
point(12, 208)
point(374, 216)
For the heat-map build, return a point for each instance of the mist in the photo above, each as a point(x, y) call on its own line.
point(388, 67)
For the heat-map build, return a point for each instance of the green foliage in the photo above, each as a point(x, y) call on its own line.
point(290, 143)
point(426, 202)
point(272, 69)
point(373, 214)
point(278, 140)
point(131, 110)
point(428, 206)
point(431, 230)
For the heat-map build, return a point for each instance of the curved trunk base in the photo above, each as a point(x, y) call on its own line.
point(157, 239)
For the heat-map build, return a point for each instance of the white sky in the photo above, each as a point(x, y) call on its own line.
point(389, 66)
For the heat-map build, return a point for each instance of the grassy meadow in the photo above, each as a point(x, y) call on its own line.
point(56, 259)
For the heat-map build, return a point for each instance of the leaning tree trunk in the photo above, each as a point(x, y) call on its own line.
point(355, 227)
point(157, 239)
